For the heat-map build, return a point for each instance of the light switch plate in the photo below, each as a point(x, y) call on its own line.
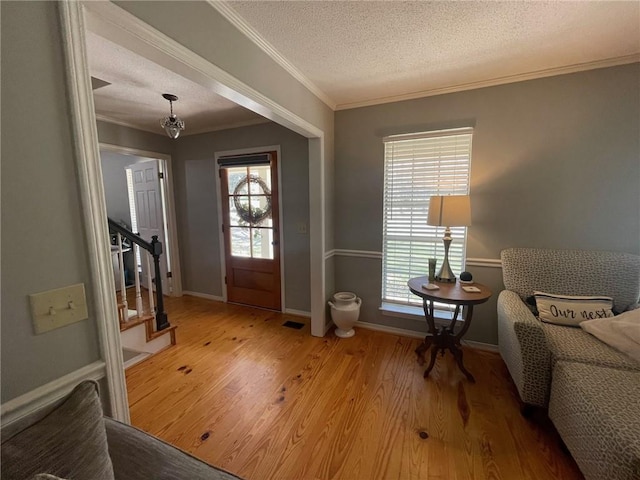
point(57, 308)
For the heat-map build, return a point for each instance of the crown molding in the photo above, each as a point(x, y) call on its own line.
point(228, 126)
point(122, 123)
point(186, 133)
point(247, 30)
point(521, 77)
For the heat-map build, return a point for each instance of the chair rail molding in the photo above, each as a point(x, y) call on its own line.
point(471, 262)
point(339, 252)
point(484, 262)
point(32, 401)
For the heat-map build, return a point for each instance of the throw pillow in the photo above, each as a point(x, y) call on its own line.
point(70, 442)
point(531, 304)
point(571, 309)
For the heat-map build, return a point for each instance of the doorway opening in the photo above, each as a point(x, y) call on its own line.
point(116, 23)
point(137, 188)
point(249, 191)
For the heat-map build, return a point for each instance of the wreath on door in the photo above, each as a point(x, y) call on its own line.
point(253, 216)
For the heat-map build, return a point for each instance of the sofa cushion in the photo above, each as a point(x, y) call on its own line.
point(573, 272)
point(621, 333)
point(70, 442)
point(576, 345)
point(139, 456)
point(596, 410)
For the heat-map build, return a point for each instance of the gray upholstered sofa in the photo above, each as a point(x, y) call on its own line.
point(73, 440)
point(592, 390)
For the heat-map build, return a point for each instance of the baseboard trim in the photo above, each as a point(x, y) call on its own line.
point(392, 330)
point(300, 313)
point(415, 334)
point(487, 347)
point(203, 295)
point(137, 359)
point(26, 404)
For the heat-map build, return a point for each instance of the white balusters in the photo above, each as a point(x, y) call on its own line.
point(123, 286)
point(136, 255)
point(150, 286)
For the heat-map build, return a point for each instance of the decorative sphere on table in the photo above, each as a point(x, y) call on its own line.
point(466, 277)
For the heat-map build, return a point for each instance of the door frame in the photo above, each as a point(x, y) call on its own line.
point(169, 204)
point(116, 24)
point(223, 260)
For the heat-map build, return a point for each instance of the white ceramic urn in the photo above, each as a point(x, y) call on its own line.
point(345, 310)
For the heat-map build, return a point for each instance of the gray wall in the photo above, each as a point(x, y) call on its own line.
point(556, 164)
point(197, 206)
point(112, 134)
point(43, 244)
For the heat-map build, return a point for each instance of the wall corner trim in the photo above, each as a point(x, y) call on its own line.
point(89, 179)
point(19, 407)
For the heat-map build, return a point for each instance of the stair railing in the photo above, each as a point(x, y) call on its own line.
point(154, 249)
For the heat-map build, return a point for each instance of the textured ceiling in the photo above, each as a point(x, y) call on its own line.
point(359, 52)
point(355, 53)
point(133, 93)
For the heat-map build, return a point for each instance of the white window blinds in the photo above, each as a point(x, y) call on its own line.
point(418, 166)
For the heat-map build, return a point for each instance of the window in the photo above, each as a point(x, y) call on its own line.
point(418, 166)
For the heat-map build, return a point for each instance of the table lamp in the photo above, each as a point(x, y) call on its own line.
point(448, 211)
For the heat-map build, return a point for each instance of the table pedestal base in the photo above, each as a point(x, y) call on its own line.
point(440, 342)
point(443, 338)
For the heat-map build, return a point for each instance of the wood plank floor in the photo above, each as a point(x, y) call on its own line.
point(243, 392)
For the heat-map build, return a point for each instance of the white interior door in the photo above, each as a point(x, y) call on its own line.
point(147, 198)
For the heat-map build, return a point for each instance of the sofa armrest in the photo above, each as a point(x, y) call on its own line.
point(137, 455)
point(523, 347)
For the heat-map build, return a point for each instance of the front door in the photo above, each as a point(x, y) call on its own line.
point(249, 186)
point(149, 213)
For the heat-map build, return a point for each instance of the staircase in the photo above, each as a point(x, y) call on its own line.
point(144, 326)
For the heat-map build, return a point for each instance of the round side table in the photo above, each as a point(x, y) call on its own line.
point(442, 338)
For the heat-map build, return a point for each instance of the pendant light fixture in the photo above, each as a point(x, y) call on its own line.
point(172, 124)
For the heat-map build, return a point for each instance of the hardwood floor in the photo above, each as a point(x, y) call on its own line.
point(263, 401)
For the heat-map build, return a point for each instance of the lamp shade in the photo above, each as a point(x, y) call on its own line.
point(449, 211)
